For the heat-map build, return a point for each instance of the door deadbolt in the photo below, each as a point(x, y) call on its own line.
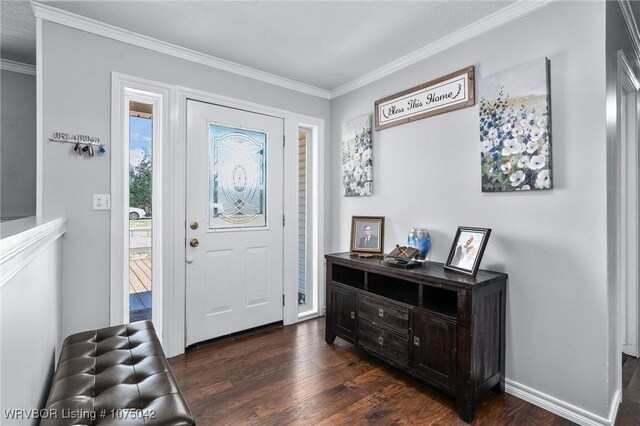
point(194, 242)
point(194, 225)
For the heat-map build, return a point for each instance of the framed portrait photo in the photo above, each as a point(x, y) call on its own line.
point(467, 250)
point(367, 234)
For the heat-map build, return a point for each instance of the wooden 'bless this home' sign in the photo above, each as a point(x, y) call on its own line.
point(450, 92)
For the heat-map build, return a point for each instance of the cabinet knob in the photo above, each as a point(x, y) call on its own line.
point(416, 341)
point(381, 341)
point(380, 312)
point(353, 315)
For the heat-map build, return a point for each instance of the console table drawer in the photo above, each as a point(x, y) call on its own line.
point(380, 312)
point(387, 344)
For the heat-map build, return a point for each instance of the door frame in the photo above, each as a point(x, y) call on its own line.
point(316, 238)
point(175, 286)
point(174, 102)
point(160, 95)
point(628, 237)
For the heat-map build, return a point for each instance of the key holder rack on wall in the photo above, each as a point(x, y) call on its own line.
point(82, 144)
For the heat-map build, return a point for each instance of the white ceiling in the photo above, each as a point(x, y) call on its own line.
point(17, 31)
point(321, 43)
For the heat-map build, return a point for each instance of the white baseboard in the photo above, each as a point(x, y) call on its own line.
point(561, 408)
point(613, 413)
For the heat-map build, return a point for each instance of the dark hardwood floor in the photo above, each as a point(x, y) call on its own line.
point(629, 410)
point(290, 375)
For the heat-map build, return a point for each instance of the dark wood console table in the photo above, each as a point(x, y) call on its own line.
point(445, 328)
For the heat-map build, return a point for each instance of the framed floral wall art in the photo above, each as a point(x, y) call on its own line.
point(357, 162)
point(515, 128)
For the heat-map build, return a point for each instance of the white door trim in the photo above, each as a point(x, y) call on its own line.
point(39, 119)
point(316, 178)
point(290, 247)
point(176, 342)
point(122, 88)
point(628, 235)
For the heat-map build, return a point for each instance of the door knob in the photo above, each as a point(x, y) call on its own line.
point(194, 242)
point(189, 260)
point(194, 225)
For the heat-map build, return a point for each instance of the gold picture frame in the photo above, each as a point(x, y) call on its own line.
point(367, 235)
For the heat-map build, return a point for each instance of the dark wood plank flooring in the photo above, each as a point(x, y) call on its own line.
point(290, 375)
point(629, 410)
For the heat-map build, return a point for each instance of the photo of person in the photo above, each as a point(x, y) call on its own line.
point(467, 250)
point(366, 234)
point(369, 240)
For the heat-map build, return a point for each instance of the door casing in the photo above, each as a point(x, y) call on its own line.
point(160, 95)
point(628, 237)
point(176, 284)
point(316, 231)
point(174, 227)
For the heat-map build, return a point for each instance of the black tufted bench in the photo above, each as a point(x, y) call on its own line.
point(115, 375)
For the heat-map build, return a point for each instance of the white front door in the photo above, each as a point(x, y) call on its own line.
point(234, 201)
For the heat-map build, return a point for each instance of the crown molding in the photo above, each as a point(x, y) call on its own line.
point(72, 20)
point(632, 26)
point(20, 67)
point(501, 17)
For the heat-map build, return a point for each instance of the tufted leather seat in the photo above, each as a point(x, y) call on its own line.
point(115, 375)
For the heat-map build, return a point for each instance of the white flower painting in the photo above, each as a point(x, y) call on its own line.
point(515, 132)
point(357, 157)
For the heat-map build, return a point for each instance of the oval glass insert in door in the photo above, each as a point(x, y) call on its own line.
point(237, 178)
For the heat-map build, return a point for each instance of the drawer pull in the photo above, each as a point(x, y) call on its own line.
point(380, 312)
point(381, 341)
point(353, 315)
point(416, 341)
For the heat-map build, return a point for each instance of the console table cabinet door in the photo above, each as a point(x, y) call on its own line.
point(434, 348)
point(344, 311)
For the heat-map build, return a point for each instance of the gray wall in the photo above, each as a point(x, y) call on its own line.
point(553, 244)
point(77, 98)
point(17, 144)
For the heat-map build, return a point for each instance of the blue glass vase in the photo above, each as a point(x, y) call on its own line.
point(419, 238)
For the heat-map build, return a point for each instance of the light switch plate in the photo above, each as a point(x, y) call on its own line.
point(102, 201)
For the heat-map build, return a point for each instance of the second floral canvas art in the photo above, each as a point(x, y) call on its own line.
point(515, 140)
point(357, 162)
